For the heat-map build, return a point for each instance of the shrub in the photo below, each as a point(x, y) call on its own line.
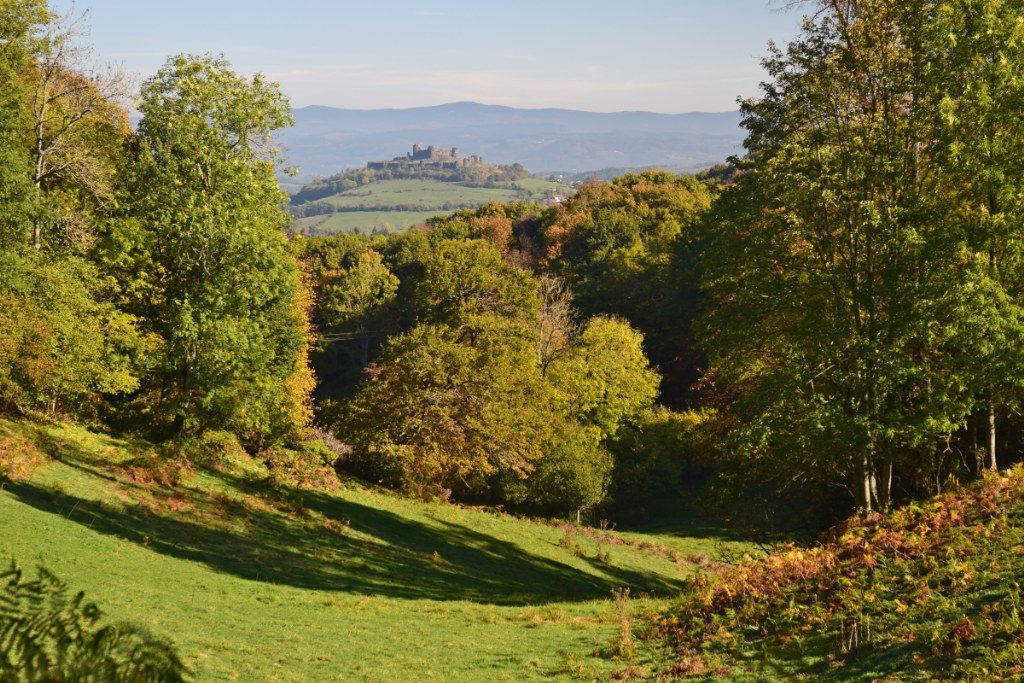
point(307, 468)
point(654, 453)
point(216, 449)
point(18, 458)
point(573, 474)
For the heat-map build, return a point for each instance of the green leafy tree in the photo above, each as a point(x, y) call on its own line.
point(655, 453)
point(462, 279)
point(61, 346)
point(604, 378)
point(849, 313)
point(573, 475)
point(352, 295)
point(976, 91)
point(77, 129)
point(441, 411)
point(203, 255)
point(630, 248)
point(19, 21)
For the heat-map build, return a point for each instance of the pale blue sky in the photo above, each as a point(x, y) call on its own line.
point(603, 55)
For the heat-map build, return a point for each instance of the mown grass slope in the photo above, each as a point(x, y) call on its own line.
point(930, 592)
point(254, 583)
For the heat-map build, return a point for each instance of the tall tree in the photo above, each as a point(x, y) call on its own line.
point(977, 97)
point(77, 129)
point(848, 308)
point(207, 264)
point(19, 23)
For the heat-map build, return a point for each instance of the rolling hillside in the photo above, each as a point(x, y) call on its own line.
point(325, 139)
point(394, 205)
point(294, 585)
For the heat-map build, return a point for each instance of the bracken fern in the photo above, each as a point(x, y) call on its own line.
point(49, 634)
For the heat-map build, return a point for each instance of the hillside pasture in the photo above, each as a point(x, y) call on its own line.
point(256, 584)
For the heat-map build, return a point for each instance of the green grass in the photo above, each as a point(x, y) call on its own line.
point(431, 193)
point(363, 221)
point(253, 584)
point(369, 206)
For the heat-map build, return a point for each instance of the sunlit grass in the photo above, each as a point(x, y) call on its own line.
point(254, 584)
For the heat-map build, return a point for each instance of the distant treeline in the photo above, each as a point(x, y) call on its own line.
point(471, 176)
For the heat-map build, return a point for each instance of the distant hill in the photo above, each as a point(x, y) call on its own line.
point(388, 196)
point(325, 140)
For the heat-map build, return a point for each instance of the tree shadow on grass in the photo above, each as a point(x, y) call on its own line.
point(366, 551)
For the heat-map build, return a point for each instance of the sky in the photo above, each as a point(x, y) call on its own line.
point(668, 56)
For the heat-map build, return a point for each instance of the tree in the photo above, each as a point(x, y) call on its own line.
point(19, 22)
point(630, 248)
point(462, 279)
point(557, 328)
point(203, 255)
point(573, 475)
point(849, 313)
point(977, 95)
point(604, 378)
point(438, 411)
point(60, 346)
point(77, 129)
point(350, 296)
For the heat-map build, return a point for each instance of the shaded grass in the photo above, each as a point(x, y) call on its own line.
point(257, 584)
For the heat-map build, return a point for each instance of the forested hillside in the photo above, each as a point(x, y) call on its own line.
point(349, 439)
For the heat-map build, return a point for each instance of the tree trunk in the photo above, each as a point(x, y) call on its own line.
point(864, 486)
point(884, 491)
point(37, 223)
point(992, 463)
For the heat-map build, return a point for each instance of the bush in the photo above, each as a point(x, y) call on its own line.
point(310, 467)
point(574, 474)
point(216, 449)
point(19, 458)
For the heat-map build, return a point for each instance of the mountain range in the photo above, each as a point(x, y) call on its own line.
point(326, 140)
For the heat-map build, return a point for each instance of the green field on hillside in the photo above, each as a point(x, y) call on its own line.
point(385, 193)
point(362, 221)
point(377, 204)
point(253, 584)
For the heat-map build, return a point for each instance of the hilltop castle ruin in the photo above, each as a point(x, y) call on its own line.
point(431, 156)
